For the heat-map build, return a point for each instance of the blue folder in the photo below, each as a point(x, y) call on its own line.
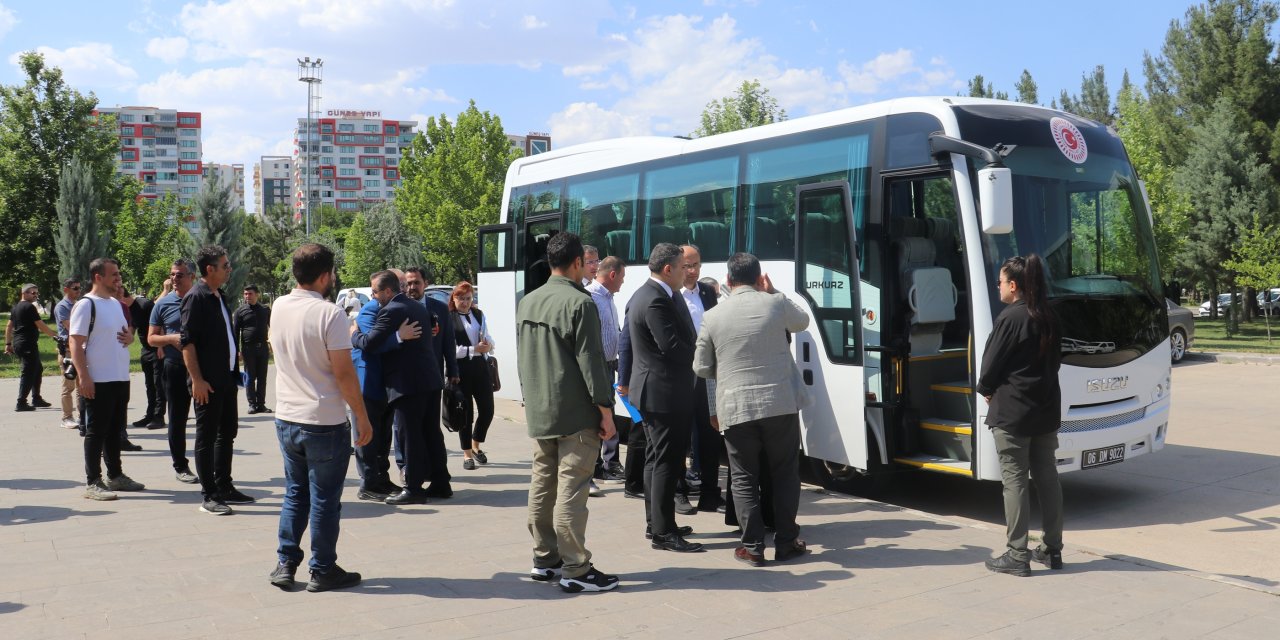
point(631, 408)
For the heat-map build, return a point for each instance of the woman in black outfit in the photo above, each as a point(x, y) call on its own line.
point(471, 335)
point(1020, 382)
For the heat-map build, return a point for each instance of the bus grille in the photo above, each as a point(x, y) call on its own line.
point(1106, 422)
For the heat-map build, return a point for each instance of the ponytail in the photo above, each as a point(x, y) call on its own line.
point(1028, 274)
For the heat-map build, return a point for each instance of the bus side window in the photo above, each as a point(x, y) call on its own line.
point(694, 203)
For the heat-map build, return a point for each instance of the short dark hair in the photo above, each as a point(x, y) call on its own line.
point(252, 287)
point(612, 263)
point(421, 274)
point(99, 266)
point(208, 257)
point(70, 282)
point(310, 261)
point(587, 248)
point(385, 279)
point(563, 248)
point(663, 254)
point(743, 268)
point(185, 264)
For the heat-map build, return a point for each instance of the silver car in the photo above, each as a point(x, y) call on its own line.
point(1182, 330)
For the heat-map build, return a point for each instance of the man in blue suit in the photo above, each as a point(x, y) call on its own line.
point(408, 383)
point(372, 460)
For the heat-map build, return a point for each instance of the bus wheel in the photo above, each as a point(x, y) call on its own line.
point(841, 478)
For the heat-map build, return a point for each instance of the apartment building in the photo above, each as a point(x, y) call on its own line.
point(160, 148)
point(272, 182)
point(353, 158)
point(228, 174)
point(532, 143)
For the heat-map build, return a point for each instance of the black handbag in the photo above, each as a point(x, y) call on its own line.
point(455, 408)
point(492, 362)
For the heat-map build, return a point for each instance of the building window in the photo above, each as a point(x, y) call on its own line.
point(373, 172)
point(326, 128)
point(373, 183)
point(371, 128)
point(372, 149)
point(149, 131)
point(371, 139)
point(148, 142)
point(346, 160)
point(191, 190)
point(129, 165)
point(126, 117)
point(189, 133)
point(348, 183)
point(148, 153)
point(189, 178)
point(126, 142)
point(371, 161)
point(393, 161)
point(390, 130)
point(187, 120)
point(189, 155)
point(373, 194)
point(346, 127)
point(346, 194)
point(187, 143)
point(346, 149)
point(392, 174)
point(326, 159)
point(391, 151)
point(326, 149)
point(168, 140)
point(148, 165)
point(346, 172)
point(168, 164)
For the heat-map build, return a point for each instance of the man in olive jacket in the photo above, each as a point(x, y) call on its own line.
point(568, 407)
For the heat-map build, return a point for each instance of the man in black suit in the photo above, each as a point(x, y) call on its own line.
point(408, 381)
point(415, 286)
point(700, 298)
point(662, 388)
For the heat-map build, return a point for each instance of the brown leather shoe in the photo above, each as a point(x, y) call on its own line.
point(754, 559)
point(794, 549)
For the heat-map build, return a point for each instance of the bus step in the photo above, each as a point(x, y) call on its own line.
point(934, 463)
point(947, 438)
point(962, 387)
point(953, 354)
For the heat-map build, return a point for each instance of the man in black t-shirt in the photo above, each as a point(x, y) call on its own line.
point(250, 325)
point(21, 338)
point(152, 371)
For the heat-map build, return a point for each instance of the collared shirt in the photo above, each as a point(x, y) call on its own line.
point(167, 314)
point(61, 315)
point(206, 324)
point(610, 332)
point(306, 328)
point(665, 287)
point(693, 300)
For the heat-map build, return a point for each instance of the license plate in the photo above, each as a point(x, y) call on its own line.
point(1103, 456)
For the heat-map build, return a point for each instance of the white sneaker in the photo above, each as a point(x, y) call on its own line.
point(68, 423)
point(594, 491)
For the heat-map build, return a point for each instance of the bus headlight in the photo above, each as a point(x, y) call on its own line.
point(1162, 389)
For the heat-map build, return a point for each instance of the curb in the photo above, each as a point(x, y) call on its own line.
point(1232, 358)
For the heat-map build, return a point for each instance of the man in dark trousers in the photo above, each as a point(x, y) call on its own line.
point(443, 343)
point(21, 338)
point(250, 325)
point(408, 380)
point(152, 368)
point(662, 388)
point(700, 298)
point(165, 334)
point(209, 351)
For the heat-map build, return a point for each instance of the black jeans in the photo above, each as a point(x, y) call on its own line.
point(372, 460)
point(178, 397)
point(217, 422)
point(255, 366)
point(477, 386)
point(32, 370)
point(777, 441)
point(153, 376)
point(707, 445)
point(668, 440)
point(104, 417)
point(409, 418)
point(633, 471)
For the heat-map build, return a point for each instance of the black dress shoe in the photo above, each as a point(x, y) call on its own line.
point(674, 542)
point(793, 549)
point(252, 410)
point(40, 403)
point(157, 423)
point(681, 531)
point(371, 495)
point(638, 495)
point(22, 406)
point(407, 497)
point(437, 491)
point(129, 446)
point(143, 422)
point(710, 504)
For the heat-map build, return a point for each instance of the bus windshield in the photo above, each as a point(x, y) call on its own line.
point(1086, 217)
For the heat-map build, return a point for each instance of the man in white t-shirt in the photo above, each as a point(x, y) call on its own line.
point(99, 346)
point(314, 376)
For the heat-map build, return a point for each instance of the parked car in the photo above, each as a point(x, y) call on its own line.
point(1224, 300)
point(442, 292)
point(1269, 301)
point(351, 299)
point(1182, 330)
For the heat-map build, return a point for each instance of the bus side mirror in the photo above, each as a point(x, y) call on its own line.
point(995, 193)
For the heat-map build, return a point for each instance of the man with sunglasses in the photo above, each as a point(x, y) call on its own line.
point(62, 317)
point(165, 334)
point(21, 338)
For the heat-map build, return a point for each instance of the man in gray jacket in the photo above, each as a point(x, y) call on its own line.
point(743, 346)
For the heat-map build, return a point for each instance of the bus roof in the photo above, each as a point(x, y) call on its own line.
point(603, 154)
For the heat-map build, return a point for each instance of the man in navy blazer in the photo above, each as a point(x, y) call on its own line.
point(407, 379)
point(415, 286)
point(661, 385)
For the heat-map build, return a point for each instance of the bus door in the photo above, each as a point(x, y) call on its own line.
point(532, 268)
point(496, 281)
point(830, 352)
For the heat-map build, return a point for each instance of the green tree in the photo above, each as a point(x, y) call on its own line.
point(1094, 101)
point(146, 231)
point(451, 184)
point(269, 238)
point(749, 106)
point(379, 239)
point(1027, 90)
point(1226, 186)
point(1140, 129)
point(1256, 260)
point(79, 237)
point(43, 123)
point(217, 222)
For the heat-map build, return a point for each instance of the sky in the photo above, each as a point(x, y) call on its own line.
point(580, 70)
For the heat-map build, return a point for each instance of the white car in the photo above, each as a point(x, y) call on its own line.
point(353, 298)
point(1224, 300)
point(1269, 301)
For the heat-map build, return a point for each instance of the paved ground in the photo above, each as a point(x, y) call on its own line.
point(150, 565)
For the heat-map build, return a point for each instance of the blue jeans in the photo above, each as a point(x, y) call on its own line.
point(315, 467)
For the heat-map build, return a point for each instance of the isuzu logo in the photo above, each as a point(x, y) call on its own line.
point(1107, 384)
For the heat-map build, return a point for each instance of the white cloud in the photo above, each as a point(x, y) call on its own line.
point(587, 121)
point(168, 50)
point(532, 22)
point(7, 20)
point(93, 64)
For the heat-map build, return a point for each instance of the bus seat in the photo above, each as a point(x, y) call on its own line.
point(664, 233)
point(928, 291)
point(907, 227)
point(946, 250)
point(913, 253)
point(619, 244)
point(712, 239)
point(768, 239)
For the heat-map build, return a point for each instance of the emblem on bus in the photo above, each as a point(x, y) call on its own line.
point(1069, 139)
point(1107, 384)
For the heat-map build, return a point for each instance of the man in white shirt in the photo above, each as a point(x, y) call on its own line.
point(607, 282)
point(99, 346)
point(314, 377)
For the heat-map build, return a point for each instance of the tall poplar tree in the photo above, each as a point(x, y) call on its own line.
point(79, 237)
point(218, 222)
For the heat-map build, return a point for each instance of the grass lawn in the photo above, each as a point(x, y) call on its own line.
point(1211, 335)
